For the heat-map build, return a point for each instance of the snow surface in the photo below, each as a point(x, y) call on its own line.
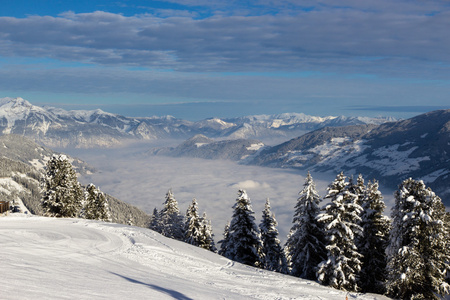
point(48, 258)
point(340, 152)
point(8, 184)
point(403, 163)
point(39, 164)
point(255, 147)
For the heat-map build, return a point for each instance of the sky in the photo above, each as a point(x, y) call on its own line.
point(195, 59)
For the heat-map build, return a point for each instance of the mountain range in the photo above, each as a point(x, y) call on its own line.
point(379, 148)
point(418, 147)
point(59, 128)
point(390, 152)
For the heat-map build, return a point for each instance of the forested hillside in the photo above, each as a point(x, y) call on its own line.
point(22, 164)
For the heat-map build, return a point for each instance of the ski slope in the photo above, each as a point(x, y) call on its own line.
point(47, 258)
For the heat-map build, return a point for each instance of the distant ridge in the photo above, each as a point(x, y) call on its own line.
point(59, 128)
point(201, 146)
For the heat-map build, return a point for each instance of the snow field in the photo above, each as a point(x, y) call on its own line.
point(47, 258)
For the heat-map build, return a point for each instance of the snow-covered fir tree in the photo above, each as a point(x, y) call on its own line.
point(340, 220)
point(63, 194)
point(274, 259)
point(244, 241)
point(418, 252)
point(155, 221)
point(96, 206)
point(225, 241)
point(171, 220)
point(193, 225)
point(207, 235)
point(305, 247)
point(357, 188)
point(372, 245)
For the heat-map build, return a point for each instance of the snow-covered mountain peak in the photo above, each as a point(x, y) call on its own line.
point(215, 123)
point(14, 101)
point(10, 107)
point(15, 105)
point(16, 109)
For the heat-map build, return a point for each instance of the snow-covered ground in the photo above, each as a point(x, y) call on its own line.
point(47, 258)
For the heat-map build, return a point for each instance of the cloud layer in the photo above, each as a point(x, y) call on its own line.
point(268, 56)
point(381, 38)
point(144, 180)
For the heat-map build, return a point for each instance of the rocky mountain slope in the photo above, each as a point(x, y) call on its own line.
point(54, 127)
point(418, 147)
point(19, 148)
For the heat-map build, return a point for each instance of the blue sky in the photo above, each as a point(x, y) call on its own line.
point(202, 58)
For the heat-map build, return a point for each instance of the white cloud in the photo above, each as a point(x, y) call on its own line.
point(361, 38)
point(250, 185)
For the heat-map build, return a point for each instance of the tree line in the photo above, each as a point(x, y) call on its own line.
point(347, 243)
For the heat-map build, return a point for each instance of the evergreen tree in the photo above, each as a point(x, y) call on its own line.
point(244, 242)
point(63, 194)
point(171, 221)
point(305, 247)
point(374, 240)
point(206, 233)
point(225, 241)
point(96, 205)
point(447, 226)
point(418, 252)
point(340, 220)
point(274, 259)
point(358, 189)
point(155, 221)
point(193, 225)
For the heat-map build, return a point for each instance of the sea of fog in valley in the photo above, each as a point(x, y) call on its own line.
point(133, 176)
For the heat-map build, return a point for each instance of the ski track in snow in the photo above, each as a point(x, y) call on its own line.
point(47, 258)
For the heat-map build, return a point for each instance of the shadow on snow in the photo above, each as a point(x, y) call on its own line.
point(174, 294)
